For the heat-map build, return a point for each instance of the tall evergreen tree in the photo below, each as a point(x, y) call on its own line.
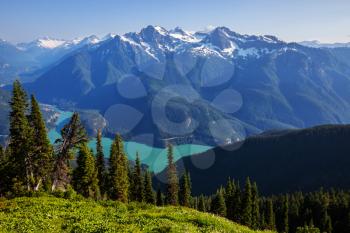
point(201, 204)
point(285, 214)
point(218, 205)
point(270, 216)
point(20, 139)
point(73, 135)
point(85, 179)
point(4, 172)
point(255, 207)
point(160, 198)
point(347, 224)
point(326, 222)
point(247, 204)
point(100, 163)
point(148, 190)
point(137, 181)
point(119, 165)
point(237, 203)
point(185, 190)
point(42, 158)
point(230, 198)
point(173, 182)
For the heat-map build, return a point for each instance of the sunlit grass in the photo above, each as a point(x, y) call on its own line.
point(50, 214)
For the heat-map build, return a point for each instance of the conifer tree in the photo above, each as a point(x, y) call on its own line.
point(285, 214)
point(218, 205)
point(73, 135)
point(270, 216)
point(20, 139)
point(326, 222)
point(237, 203)
point(4, 172)
point(160, 198)
point(137, 181)
point(173, 182)
point(42, 159)
point(255, 207)
point(85, 179)
point(247, 204)
point(185, 190)
point(148, 190)
point(119, 178)
point(201, 204)
point(230, 198)
point(100, 163)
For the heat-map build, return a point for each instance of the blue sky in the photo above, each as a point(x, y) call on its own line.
point(290, 20)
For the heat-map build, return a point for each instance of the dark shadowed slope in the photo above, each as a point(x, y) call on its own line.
point(279, 162)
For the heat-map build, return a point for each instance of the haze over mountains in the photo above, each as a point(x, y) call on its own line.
point(27, 59)
point(211, 87)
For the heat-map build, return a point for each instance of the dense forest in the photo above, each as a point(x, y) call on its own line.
point(30, 166)
point(280, 161)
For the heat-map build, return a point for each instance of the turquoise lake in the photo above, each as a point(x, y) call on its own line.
point(155, 158)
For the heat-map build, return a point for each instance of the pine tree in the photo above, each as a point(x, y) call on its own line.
point(255, 207)
point(4, 180)
point(148, 190)
point(173, 182)
point(20, 140)
point(85, 179)
point(42, 159)
point(230, 198)
point(160, 198)
point(100, 163)
point(247, 204)
point(73, 135)
point(326, 222)
point(119, 178)
point(185, 190)
point(218, 205)
point(285, 214)
point(237, 203)
point(201, 204)
point(270, 216)
point(137, 189)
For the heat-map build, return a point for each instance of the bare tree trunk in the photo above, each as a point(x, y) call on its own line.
point(36, 188)
point(54, 184)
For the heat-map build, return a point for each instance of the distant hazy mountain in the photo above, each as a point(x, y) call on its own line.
point(219, 86)
point(4, 113)
point(296, 160)
point(28, 60)
point(317, 44)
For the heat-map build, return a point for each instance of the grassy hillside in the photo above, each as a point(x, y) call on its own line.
point(49, 214)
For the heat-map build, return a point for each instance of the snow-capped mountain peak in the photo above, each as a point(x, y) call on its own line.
point(50, 43)
point(44, 42)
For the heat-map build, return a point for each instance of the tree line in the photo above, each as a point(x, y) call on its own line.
point(30, 164)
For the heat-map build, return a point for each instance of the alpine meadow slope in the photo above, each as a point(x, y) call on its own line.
point(49, 214)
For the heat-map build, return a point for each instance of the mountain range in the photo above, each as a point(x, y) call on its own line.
point(214, 87)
